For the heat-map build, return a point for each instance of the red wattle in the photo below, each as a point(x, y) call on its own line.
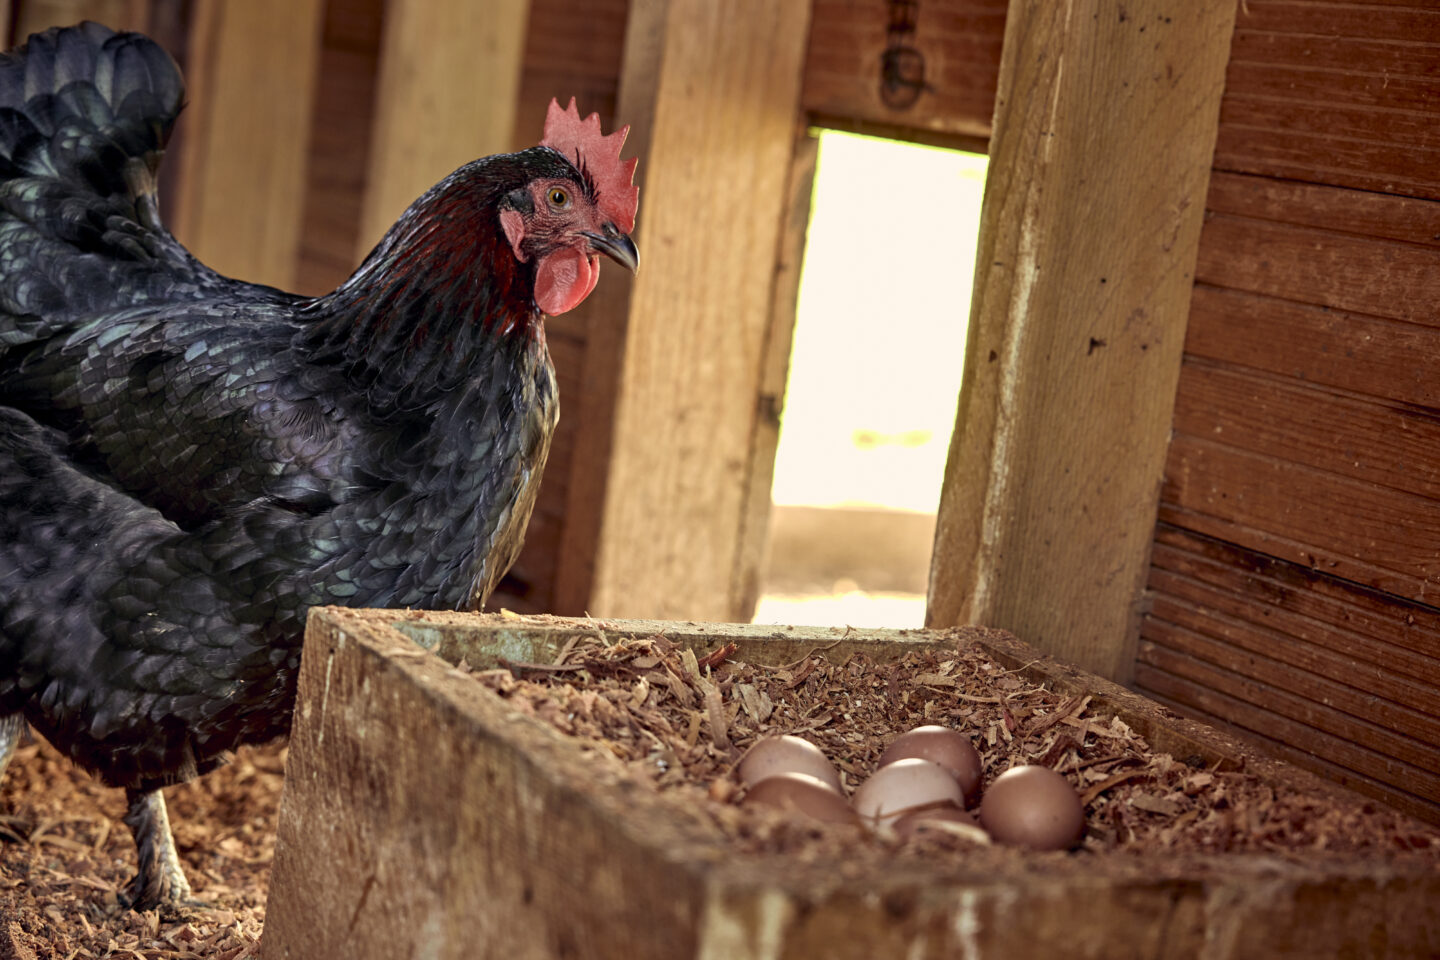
point(564, 278)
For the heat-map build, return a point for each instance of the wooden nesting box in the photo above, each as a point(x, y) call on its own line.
point(425, 817)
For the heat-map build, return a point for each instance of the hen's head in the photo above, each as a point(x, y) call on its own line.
point(570, 212)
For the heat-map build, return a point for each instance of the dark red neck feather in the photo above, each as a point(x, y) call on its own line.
point(435, 297)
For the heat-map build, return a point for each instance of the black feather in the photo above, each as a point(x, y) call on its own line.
point(188, 462)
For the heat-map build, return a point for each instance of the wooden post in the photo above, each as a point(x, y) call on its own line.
point(33, 16)
point(250, 83)
point(449, 76)
point(1105, 126)
point(711, 88)
point(745, 583)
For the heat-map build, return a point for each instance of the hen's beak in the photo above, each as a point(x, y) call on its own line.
point(615, 245)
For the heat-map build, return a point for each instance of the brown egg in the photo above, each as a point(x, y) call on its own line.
point(1035, 807)
point(786, 754)
point(897, 788)
point(801, 793)
point(949, 748)
point(920, 820)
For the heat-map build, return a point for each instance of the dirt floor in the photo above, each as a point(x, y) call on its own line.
point(65, 854)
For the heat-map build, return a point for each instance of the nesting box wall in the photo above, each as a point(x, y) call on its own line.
point(1295, 564)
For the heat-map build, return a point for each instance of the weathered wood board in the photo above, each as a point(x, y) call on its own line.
point(424, 816)
point(1104, 129)
point(1295, 575)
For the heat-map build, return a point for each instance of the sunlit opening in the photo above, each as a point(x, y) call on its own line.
point(874, 377)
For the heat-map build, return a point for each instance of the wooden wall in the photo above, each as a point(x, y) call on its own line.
point(1296, 566)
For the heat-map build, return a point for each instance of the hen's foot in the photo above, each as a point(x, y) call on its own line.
point(161, 880)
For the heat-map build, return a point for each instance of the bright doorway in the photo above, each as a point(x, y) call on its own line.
point(874, 376)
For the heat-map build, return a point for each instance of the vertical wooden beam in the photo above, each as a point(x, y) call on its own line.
point(449, 76)
point(1105, 127)
point(712, 89)
point(33, 16)
point(774, 375)
point(250, 90)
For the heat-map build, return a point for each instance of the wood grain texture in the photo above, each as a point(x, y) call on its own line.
point(1352, 436)
point(1100, 163)
point(713, 92)
point(339, 144)
point(1398, 716)
point(1335, 93)
point(1379, 277)
point(33, 16)
point(440, 104)
point(756, 510)
point(1338, 520)
point(1374, 215)
point(960, 42)
point(1203, 700)
point(1314, 344)
point(573, 48)
point(252, 69)
point(1303, 603)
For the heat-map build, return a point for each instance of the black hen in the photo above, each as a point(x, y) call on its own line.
point(188, 462)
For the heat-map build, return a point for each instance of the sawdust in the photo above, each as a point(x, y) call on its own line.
point(679, 724)
point(65, 855)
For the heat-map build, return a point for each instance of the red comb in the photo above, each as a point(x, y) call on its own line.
point(580, 141)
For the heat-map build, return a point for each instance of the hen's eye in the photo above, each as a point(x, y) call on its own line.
point(558, 197)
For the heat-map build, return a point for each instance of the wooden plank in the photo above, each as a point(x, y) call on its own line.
point(1318, 158)
point(1354, 437)
point(1396, 58)
point(33, 16)
point(957, 41)
point(252, 71)
point(339, 144)
point(1377, 277)
point(1336, 93)
point(573, 48)
point(1305, 85)
point(1200, 701)
point(1361, 212)
point(440, 104)
point(1358, 570)
point(1302, 723)
point(1279, 714)
point(1049, 502)
point(1389, 704)
point(1324, 623)
point(1411, 23)
point(1350, 351)
point(1399, 634)
point(713, 91)
point(774, 372)
point(1410, 131)
point(1333, 518)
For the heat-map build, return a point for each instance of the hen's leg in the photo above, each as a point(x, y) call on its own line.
point(12, 728)
point(161, 880)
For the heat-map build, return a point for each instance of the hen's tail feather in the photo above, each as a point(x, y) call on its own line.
point(78, 104)
point(84, 117)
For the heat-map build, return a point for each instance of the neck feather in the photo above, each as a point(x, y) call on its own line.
point(432, 301)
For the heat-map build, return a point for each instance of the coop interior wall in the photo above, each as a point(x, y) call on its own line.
point(1295, 574)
